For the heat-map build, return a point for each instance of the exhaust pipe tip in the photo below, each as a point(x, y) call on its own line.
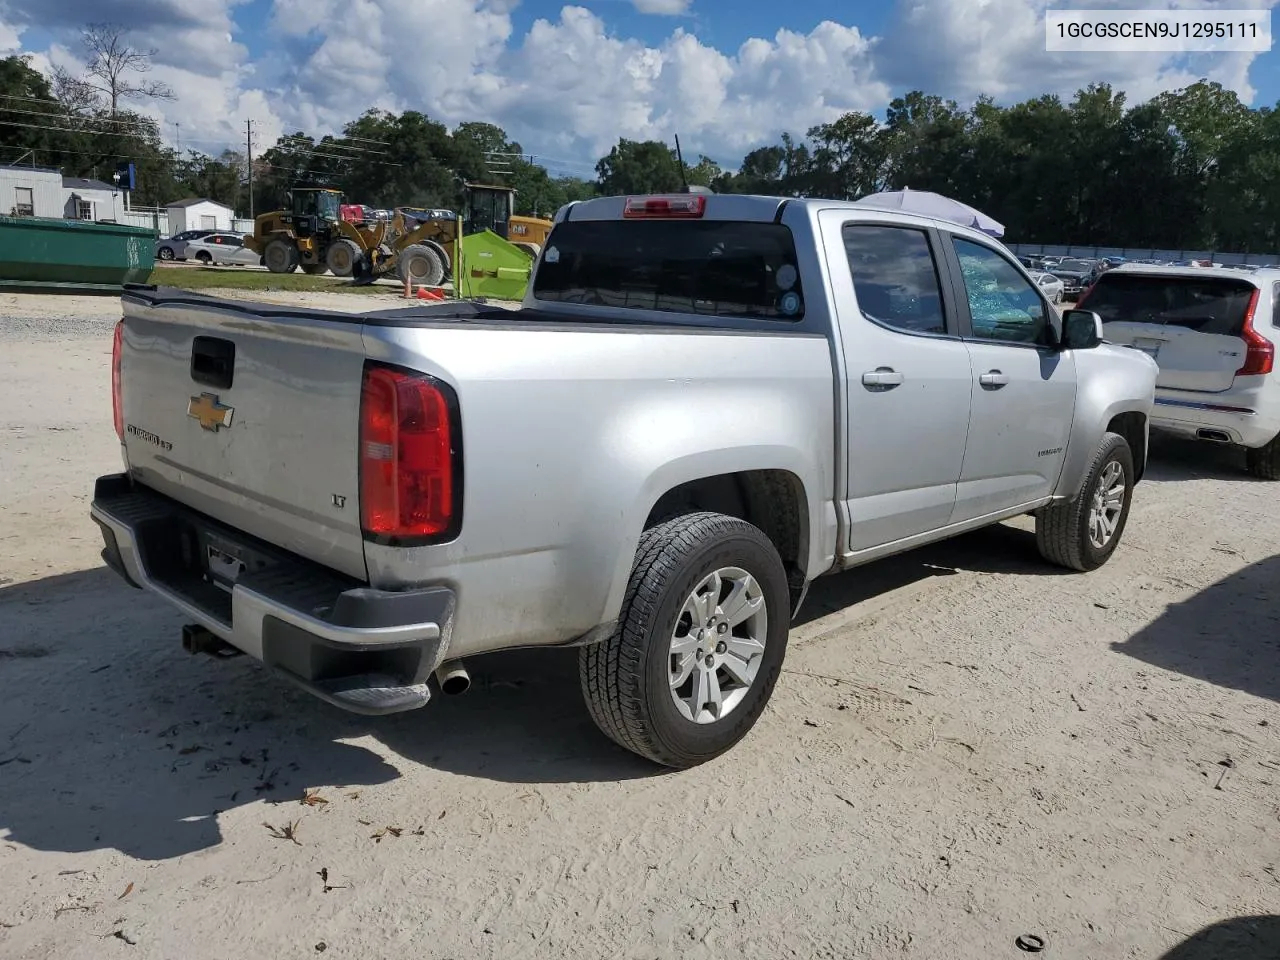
point(453, 678)
point(1213, 436)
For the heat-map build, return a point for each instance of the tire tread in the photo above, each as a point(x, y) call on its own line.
point(612, 671)
point(1059, 526)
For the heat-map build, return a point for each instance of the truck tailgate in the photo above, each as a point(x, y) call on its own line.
point(249, 417)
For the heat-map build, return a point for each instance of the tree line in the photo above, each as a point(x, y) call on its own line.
point(1189, 169)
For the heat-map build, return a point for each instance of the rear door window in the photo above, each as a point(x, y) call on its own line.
point(1204, 304)
point(895, 278)
point(720, 268)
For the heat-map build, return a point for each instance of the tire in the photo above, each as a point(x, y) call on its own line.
point(420, 265)
point(341, 258)
point(1063, 530)
point(165, 253)
point(314, 269)
point(532, 249)
point(1264, 461)
point(280, 256)
point(626, 680)
point(205, 258)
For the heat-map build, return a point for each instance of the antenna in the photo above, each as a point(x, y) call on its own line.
point(684, 182)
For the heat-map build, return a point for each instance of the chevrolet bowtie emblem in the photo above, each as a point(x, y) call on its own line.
point(211, 414)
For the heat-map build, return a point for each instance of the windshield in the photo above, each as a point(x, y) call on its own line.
point(327, 206)
point(707, 267)
point(1209, 305)
point(1075, 266)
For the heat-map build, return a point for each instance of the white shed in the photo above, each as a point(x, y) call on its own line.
point(91, 200)
point(198, 213)
point(31, 192)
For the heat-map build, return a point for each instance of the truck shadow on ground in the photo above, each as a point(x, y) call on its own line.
point(1227, 634)
point(1000, 548)
point(1241, 938)
point(111, 737)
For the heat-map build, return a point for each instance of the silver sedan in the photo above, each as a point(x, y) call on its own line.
point(1050, 284)
point(220, 248)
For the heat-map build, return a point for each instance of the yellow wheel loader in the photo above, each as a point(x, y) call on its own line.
point(415, 245)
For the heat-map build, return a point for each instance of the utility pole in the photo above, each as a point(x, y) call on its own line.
point(248, 143)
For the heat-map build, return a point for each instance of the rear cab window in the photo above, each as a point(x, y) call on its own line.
point(718, 268)
point(1214, 305)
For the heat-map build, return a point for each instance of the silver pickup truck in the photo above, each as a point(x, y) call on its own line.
point(704, 403)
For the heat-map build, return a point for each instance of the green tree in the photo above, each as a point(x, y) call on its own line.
point(638, 166)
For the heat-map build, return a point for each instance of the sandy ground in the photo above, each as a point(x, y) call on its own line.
point(966, 746)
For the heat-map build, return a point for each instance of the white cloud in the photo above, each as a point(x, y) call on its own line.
point(997, 47)
point(10, 38)
point(570, 85)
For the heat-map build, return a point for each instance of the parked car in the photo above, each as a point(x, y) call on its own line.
point(222, 248)
point(1051, 286)
point(1212, 332)
point(175, 247)
point(363, 501)
point(1075, 276)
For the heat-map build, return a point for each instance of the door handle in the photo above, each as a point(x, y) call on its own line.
point(994, 379)
point(886, 378)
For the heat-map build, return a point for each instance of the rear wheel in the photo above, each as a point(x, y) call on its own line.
point(699, 642)
point(1264, 461)
point(1082, 535)
point(341, 258)
point(314, 269)
point(281, 256)
point(165, 253)
point(420, 265)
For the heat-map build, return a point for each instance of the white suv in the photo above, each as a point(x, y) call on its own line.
point(1212, 332)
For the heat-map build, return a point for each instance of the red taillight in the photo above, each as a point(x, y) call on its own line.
point(1084, 294)
point(1260, 353)
point(117, 398)
point(407, 450)
point(678, 206)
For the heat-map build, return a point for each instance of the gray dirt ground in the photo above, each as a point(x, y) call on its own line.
point(966, 746)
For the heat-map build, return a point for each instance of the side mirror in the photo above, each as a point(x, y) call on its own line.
point(1081, 330)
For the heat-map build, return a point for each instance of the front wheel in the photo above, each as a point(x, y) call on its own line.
point(281, 256)
point(699, 642)
point(421, 266)
point(1082, 534)
point(165, 253)
point(205, 258)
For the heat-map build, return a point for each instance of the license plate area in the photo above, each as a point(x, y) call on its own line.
point(223, 561)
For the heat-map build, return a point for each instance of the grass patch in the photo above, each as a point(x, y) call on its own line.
point(231, 278)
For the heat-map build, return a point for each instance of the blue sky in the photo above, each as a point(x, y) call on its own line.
point(567, 80)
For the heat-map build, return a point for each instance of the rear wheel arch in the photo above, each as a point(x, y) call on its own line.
point(774, 501)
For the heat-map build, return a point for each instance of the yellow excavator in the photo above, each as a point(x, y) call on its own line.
point(414, 245)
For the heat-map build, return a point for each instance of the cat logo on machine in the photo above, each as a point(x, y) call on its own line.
point(212, 415)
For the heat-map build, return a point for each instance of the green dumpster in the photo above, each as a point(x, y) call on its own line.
point(75, 256)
